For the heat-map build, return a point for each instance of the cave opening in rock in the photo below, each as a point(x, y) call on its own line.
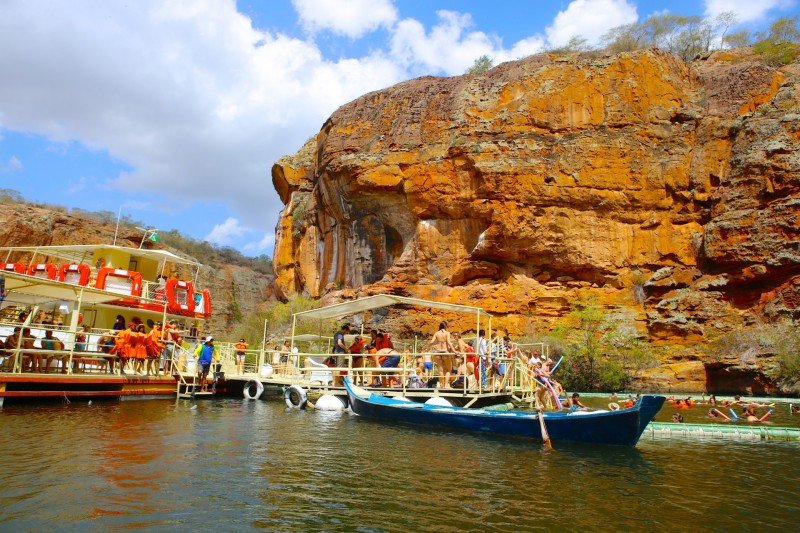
point(394, 244)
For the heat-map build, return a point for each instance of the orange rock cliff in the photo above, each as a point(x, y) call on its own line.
point(666, 189)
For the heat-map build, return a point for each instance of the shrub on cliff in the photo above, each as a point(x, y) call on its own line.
point(602, 351)
point(779, 45)
point(276, 317)
point(685, 36)
point(481, 65)
point(774, 349)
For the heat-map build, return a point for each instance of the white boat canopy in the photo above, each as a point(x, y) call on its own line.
point(79, 253)
point(383, 300)
point(28, 290)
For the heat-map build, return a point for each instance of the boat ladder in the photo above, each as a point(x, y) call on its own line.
point(188, 386)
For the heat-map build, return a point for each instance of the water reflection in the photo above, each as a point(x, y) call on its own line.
point(256, 465)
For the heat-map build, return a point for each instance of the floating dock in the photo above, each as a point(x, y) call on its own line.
point(670, 430)
point(15, 387)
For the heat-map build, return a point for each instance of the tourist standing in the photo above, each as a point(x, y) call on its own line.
point(340, 348)
point(206, 353)
point(240, 348)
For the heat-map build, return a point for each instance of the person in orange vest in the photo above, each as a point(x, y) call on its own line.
point(240, 347)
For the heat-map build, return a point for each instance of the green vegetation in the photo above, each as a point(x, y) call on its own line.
point(778, 46)
point(575, 44)
point(299, 214)
point(686, 37)
point(751, 345)
point(278, 317)
point(691, 37)
point(481, 64)
point(601, 351)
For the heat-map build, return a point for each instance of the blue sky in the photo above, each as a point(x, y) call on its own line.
point(175, 110)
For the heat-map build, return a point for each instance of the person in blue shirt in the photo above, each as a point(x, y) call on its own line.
point(206, 354)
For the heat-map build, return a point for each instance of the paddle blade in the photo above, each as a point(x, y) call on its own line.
point(545, 435)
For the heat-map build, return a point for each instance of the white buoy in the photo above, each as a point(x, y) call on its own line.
point(266, 370)
point(329, 402)
point(192, 408)
point(90, 402)
point(438, 400)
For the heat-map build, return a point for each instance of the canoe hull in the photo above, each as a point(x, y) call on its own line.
point(623, 427)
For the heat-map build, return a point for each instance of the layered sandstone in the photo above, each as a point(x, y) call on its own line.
point(666, 189)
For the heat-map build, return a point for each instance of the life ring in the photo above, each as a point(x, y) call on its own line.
point(613, 406)
point(248, 387)
point(295, 397)
point(76, 274)
point(42, 270)
point(118, 281)
point(19, 268)
point(180, 296)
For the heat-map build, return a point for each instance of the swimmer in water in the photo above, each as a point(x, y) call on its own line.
point(716, 414)
point(750, 413)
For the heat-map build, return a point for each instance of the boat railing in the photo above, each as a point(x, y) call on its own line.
point(321, 369)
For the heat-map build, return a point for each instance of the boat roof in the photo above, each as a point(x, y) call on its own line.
point(383, 300)
point(28, 290)
point(77, 253)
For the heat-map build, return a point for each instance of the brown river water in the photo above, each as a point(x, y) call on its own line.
point(230, 465)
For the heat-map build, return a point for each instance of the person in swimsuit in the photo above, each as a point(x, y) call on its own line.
point(441, 346)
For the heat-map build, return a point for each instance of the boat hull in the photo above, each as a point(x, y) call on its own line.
point(623, 427)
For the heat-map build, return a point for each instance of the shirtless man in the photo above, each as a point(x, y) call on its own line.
point(442, 348)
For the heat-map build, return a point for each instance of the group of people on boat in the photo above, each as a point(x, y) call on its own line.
point(449, 361)
point(126, 345)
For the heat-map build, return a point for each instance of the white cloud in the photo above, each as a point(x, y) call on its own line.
point(195, 101)
point(76, 186)
point(137, 205)
point(12, 165)
point(746, 10)
point(589, 19)
point(266, 244)
point(352, 18)
point(449, 47)
point(227, 232)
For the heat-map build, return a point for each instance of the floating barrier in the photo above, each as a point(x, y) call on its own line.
point(720, 431)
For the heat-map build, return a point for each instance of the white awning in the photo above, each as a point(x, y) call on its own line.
point(81, 252)
point(383, 300)
point(28, 290)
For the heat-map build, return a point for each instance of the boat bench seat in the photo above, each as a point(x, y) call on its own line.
point(93, 359)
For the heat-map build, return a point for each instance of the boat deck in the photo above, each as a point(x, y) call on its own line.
point(35, 386)
point(275, 386)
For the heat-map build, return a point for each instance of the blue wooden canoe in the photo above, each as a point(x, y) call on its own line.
point(622, 427)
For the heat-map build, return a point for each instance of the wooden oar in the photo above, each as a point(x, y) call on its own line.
point(545, 436)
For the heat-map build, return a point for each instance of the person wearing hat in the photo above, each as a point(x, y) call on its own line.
point(206, 353)
point(240, 347)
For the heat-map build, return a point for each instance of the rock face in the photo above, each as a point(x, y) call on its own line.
point(666, 188)
point(236, 291)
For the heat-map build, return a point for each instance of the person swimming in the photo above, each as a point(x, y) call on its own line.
point(716, 414)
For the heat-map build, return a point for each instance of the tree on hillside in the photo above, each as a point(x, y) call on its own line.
point(779, 44)
point(685, 36)
point(481, 64)
point(601, 350)
point(576, 43)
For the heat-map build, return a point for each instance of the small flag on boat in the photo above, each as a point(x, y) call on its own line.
point(154, 237)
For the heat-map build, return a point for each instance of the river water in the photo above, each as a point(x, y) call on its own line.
point(233, 465)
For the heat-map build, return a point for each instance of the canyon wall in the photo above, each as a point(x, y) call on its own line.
point(666, 190)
